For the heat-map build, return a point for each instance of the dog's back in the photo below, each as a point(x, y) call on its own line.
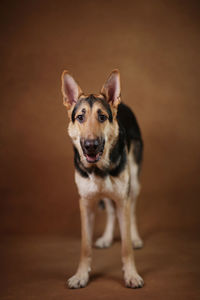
point(128, 123)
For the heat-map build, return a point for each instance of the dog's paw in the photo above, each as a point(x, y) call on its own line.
point(133, 280)
point(78, 281)
point(137, 243)
point(103, 242)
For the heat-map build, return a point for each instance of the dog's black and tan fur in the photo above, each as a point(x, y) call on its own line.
point(107, 156)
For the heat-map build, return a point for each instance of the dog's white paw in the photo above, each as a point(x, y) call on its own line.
point(133, 280)
point(78, 281)
point(103, 242)
point(137, 243)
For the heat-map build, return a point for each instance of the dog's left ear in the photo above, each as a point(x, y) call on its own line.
point(111, 88)
point(70, 90)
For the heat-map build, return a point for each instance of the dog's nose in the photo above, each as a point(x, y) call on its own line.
point(91, 145)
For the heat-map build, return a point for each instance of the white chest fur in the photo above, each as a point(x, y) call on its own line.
point(96, 187)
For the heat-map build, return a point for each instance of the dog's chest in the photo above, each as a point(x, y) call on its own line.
point(96, 187)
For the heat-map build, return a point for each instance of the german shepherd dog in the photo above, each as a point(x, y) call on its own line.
point(107, 156)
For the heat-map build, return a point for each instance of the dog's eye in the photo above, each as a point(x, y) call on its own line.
point(80, 118)
point(102, 118)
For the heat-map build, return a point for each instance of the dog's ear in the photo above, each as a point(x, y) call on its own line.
point(70, 90)
point(111, 88)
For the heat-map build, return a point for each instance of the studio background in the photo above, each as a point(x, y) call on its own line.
point(155, 45)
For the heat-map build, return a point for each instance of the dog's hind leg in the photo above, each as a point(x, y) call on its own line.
point(107, 238)
point(134, 193)
point(135, 237)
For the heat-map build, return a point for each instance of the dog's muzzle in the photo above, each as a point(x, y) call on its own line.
point(92, 149)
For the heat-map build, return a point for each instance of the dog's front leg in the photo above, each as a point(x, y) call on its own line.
point(131, 277)
point(80, 279)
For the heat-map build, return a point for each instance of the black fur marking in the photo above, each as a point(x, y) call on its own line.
point(108, 110)
point(128, 120)
point(78, 164)
point(91, 100)
point(75, 110)
point(129, 187)
point(83, 111)
point(97, 171)
point(99, 111)
point(117, 150)
point(138, 151)
point(120, 167)
point(101, 204)
point(118, 154)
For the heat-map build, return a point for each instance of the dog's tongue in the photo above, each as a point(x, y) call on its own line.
point(92, 158)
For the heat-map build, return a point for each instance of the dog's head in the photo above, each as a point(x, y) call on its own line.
point(93, 126)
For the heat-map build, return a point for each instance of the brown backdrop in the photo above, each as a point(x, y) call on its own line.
point(155, 45)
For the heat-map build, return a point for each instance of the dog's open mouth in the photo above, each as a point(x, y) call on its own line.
point(93, 158)
point(92, 149)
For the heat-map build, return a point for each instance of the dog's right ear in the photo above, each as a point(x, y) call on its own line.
point(70, 90)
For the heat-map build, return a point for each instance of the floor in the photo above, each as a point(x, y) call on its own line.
point(37, 267)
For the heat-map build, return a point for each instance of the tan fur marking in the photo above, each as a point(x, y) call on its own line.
point(91, 128)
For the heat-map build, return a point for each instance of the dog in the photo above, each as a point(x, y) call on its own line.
point(108, 151)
